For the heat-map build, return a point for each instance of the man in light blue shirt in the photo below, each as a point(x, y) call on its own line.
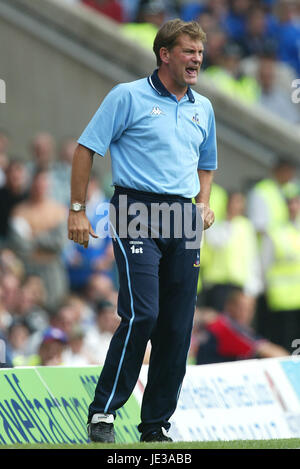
point(178, 137)
point(162, 140)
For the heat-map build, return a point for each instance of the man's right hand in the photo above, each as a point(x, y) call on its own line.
point(79, 228)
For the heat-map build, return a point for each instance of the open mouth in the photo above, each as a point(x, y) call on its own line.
point(192, 71)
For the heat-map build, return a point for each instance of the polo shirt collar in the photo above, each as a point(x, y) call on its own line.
point(160, 88)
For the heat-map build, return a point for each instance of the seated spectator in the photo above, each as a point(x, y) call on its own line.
point(83, 312)
point(111, 8)
point(214, 10)
point(4, 158)
point(51, 348)
point(11, 193)
point(38, 234)
point(43, 152)
point(228, 336)
point(10, 264)
point(65, 318)
point(219, 9)
point(151, 15)
point(283, 73)
point(207, 22)
point(98, 337)
point(18, 336)
point(6, 359)
point(288, 33)
point(190, 10)
point(100, 286)
point(75, 353)
point(11, 284)
point(257, 32)
point(214, 48)
point(130, 10)
point(5, 315)
point(271, 96)
point(152, 11)
point(236, 18)
point(31, 302)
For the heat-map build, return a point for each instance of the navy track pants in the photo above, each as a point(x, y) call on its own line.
point(158, 283)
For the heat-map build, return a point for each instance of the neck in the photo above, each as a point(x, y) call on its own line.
point(175, 88)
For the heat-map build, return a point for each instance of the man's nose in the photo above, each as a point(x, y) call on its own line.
point(197, 57)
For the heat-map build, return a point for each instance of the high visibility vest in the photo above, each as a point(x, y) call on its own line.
point(218, 203)
point(142, 33)
point(230, 263)
point(275, 201)
point(245, 88)
point(283, 276)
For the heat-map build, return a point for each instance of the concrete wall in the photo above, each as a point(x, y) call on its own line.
point(45, 90)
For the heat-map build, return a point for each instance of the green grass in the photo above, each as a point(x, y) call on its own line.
point(240, 444)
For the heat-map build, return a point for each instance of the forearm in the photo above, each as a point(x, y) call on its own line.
point(81, 168)
point(267, 349)
point(79, 227)
point(205, 179)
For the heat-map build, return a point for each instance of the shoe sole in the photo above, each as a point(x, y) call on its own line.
point(98, 441)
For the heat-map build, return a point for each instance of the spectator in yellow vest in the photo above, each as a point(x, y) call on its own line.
point(230, 256)
point(267, 205)
point(150, 17)
point(281, 261)
point(218, 203)
point(228, 77)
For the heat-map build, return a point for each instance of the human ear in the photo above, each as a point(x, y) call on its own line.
point(164, 55)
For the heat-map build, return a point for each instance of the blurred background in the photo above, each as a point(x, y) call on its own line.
point(58, 59)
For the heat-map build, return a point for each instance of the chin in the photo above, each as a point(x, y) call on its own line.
point(191, 80)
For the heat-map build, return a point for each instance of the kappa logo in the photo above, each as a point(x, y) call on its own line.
point(156, 111)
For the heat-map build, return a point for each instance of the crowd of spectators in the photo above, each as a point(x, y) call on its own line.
point(252, 51)
point(249, 294)
point(58, 301)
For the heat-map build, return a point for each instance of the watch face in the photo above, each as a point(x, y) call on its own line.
point(76, 207)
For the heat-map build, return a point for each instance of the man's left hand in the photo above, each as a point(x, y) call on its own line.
point(208, 215)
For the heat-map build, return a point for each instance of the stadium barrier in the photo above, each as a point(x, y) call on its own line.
point(253, 400)
point(50, 404)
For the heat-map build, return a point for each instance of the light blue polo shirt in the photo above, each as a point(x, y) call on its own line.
point(156, 143)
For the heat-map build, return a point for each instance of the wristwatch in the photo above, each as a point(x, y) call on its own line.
point(77, 207)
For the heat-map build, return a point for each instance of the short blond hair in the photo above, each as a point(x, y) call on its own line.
point(167, 36)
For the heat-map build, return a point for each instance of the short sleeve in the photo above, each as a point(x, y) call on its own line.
point(109, 122)
point(208, 149)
